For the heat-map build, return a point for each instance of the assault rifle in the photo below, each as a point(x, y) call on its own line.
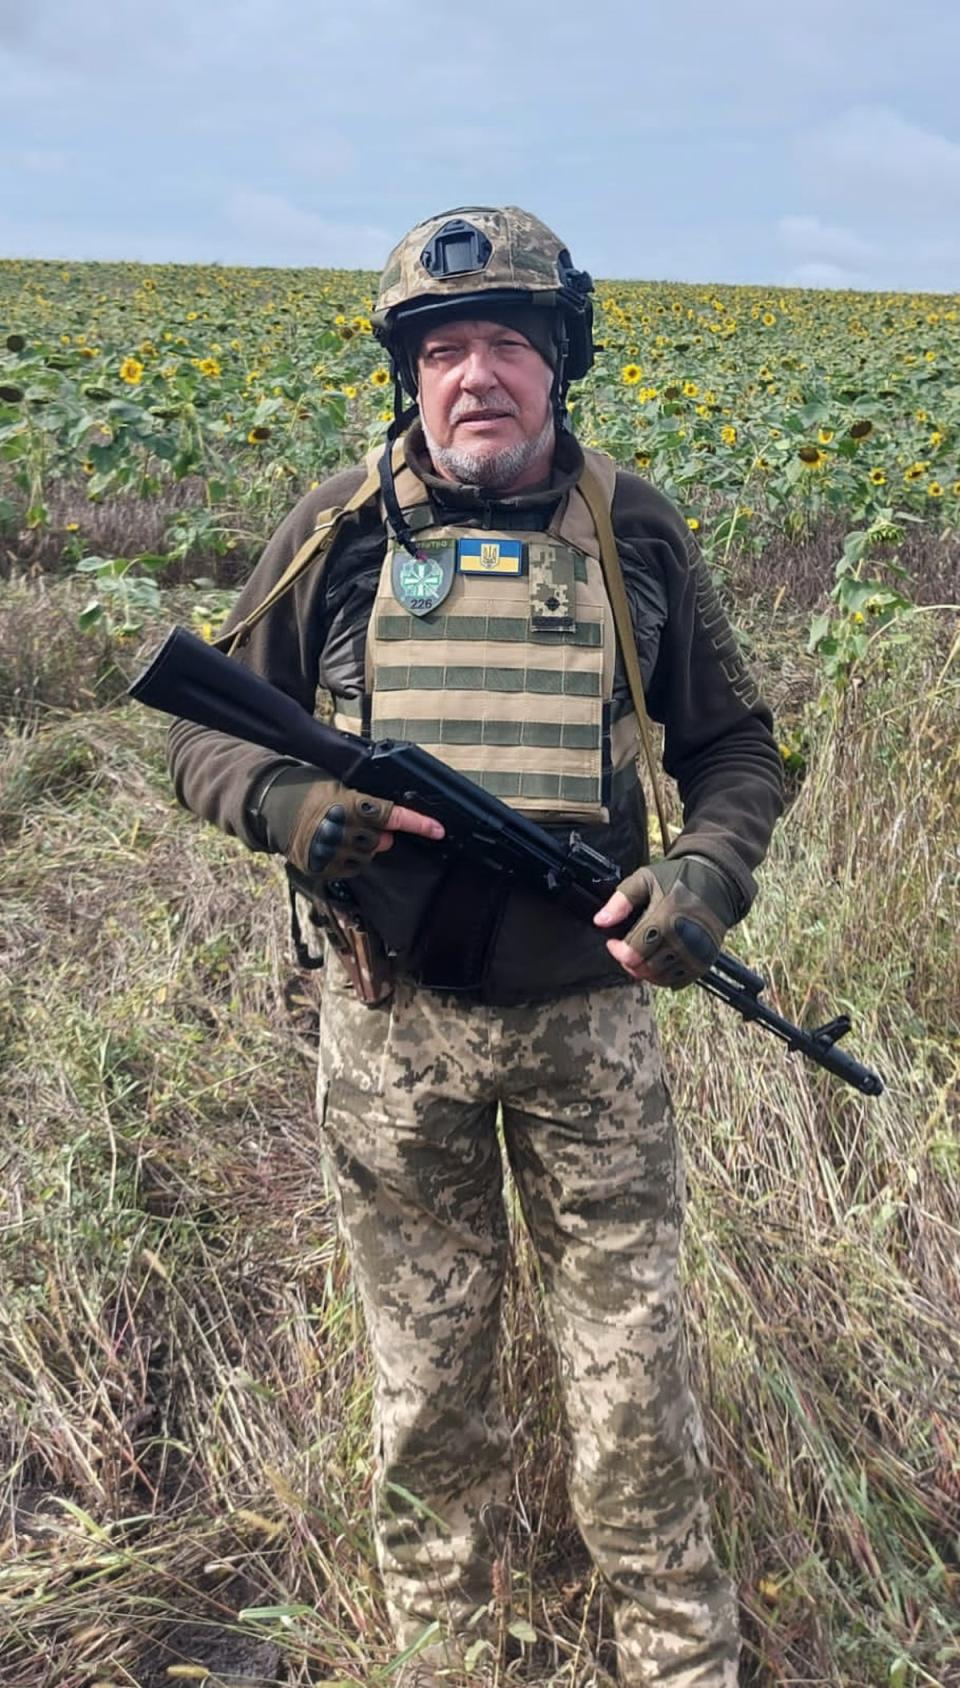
point(188, 678)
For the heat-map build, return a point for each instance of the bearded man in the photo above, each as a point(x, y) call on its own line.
point(457, 591)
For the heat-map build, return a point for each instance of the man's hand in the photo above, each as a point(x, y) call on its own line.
point(358, 827)
point(686, 906)
point(326, 829)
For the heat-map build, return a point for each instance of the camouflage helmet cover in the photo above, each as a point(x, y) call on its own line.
point(473, 251)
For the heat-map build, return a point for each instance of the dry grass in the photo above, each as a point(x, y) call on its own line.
point(185, 1435)
point(124, 526)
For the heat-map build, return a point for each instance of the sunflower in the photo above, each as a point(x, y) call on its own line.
point(257, 435)
point(207, 366)
point(380, 378)
point(131, 371)
point(878, 477)
point(728, 434)
point(825, 436)
point(915, 472)
point(934, 489)
point(630, 374)
point(860, 429)
point(812, 457)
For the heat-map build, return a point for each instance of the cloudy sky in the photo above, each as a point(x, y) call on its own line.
point(815, 143)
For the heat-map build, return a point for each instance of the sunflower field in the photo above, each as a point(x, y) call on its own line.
point(756, 410)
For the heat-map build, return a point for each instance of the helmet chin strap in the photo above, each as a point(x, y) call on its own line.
point(561, 382)
point(402, 418)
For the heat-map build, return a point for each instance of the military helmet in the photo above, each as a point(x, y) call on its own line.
point(456, 262)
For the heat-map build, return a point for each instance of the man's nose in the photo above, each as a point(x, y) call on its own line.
point(477, 373)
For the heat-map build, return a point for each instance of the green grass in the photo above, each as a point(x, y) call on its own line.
point(184, 1441)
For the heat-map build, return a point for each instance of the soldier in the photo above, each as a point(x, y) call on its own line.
point(458, 591)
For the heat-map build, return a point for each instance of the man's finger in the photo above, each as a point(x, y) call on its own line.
point(628, 958)
point(408, 820)
point(616, 909)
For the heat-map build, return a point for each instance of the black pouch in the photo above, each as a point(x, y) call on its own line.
point(456, 937)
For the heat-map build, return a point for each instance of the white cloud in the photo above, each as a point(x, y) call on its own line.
point(249, 228)
point(281, 232)
point(819, 274)
point(813, 240)
point(872, 156)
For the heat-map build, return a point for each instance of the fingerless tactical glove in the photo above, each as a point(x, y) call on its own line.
point(686, 905)
point(321, 826)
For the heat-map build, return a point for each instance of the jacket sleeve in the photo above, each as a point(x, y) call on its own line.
point(718, 732)
point(213, 774)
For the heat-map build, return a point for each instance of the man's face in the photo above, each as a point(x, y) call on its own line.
point(484, 395)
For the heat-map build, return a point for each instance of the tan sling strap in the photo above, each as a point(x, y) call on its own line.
point(595, 498)
point(313, 551)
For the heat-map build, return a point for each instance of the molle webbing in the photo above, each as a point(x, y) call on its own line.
point(485, 680)
point(486, 671)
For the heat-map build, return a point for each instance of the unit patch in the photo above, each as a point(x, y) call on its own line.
point(421, 584)
point(553, 588)
point(490, 556)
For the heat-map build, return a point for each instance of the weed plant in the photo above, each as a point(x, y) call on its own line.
point(184, 1437)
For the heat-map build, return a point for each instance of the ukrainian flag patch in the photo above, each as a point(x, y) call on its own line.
point(490, 556)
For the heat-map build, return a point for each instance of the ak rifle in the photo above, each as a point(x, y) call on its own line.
point(191, 679)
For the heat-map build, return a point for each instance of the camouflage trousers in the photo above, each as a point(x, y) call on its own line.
point(408, 1095)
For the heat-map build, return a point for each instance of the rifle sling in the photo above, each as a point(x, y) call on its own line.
point(593, 494)
point(314, 550)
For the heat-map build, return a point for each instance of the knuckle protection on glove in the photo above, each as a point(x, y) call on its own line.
point(679, 934)
point(695, 938)
point(335, 840)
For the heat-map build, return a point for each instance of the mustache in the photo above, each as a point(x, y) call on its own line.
point(462, 412)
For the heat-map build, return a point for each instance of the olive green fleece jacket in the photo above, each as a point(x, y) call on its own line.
point(718, 740)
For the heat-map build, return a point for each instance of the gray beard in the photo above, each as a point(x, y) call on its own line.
point(487, 468)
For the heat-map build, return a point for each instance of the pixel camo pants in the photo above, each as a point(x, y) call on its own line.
point(408, 1098)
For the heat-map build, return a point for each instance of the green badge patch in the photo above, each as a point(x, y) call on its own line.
point(420, 584)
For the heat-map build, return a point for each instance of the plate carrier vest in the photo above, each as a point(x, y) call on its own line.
point(509, 679)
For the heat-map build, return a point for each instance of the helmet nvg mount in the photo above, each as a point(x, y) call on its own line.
point(454, 263)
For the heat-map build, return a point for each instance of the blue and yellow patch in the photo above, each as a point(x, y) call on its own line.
point(490, 556)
